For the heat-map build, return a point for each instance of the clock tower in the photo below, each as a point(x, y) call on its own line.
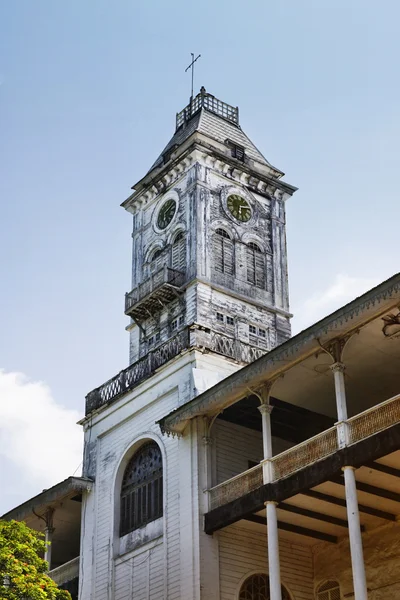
point(209, 294)
point(209, 245)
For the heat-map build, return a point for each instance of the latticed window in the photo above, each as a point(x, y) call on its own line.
point(255, 262)
point(223, 252)
point(256, 587)
point(178, 260)
point(329, 590)
point(142, 489)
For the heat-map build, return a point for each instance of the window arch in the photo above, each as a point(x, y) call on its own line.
point(142, 489)
point(330, 590)
point(255, 263)
point(156, 260)
point(223, 252)
point(256, 587)
point(178, 254)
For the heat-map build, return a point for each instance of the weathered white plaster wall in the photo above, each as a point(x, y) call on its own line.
point(382, 563)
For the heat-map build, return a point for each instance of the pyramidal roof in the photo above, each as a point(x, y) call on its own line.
point(207, 115)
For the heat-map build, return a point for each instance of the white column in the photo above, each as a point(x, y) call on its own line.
point(338, 369)
point(266, 410)
point(353, 516)
point(272, 519)
point(356, 549)
point(49, 530)
point(273, 552)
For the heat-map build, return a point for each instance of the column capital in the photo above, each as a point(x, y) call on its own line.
point(348, 467)
point(274, 502)
point(265, 408)
point(338, 367)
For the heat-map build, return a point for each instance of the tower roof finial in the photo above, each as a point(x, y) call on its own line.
point(191, 66)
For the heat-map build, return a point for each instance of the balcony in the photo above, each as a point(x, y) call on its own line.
point(66, 572)
point(156, 291)
point(357, 428)
point(130, 377)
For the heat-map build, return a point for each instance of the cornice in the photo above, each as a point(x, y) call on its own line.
point(150, 187)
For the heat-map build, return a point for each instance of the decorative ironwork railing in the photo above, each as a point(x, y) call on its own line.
point(304, 454)
point(228, 346)
point(127, 379)
point(66, 572)
point(137, 372)
point(373, 420)
point(211, 103)
point(310, 451)
point(236, 487)
point(163, 276)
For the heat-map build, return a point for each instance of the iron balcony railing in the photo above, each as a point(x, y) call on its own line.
point(211, 103)
point(164, 276)
point(130, 377)
point(361, 426)
point(127, 379)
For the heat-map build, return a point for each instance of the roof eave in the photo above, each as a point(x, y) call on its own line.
point(58, 492)
point(350, 317)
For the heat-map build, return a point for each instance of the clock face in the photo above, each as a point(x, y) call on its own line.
point(166, 214)
point(239, 208)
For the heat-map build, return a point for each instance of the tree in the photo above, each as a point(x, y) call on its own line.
point(22, 570)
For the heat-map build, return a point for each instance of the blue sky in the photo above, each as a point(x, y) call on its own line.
point(88, 96)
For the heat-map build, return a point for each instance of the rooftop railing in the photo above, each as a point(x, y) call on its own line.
point(359, 427)
point(211, 103)
point(127, 379)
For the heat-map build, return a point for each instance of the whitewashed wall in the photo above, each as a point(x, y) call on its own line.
point(106, 574)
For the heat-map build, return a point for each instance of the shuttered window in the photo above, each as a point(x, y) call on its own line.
point(156, 261)
point(178, 260)
point(142, 489)
point(329, 590)
point(223, 252)
point(256, 587)
point(255, 262)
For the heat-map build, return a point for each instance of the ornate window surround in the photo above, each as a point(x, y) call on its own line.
point(152, 530)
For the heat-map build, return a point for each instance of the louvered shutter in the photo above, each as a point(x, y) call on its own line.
point(255, 263)
point(179, 254)
point(227, 256)
point(218, 253)
point(250, 263)
point(259, 267)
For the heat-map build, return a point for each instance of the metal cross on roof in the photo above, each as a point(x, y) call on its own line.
point(191, 66)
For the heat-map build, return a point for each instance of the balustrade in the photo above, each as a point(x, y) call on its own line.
point(294, 459)
point(66, 572)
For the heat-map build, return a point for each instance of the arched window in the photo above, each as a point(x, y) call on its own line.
point(329, 590)
point(142, 489)
point(223, 252)
point(255, 263)
point(256, 587)
point(156, 261)
point(178, 258)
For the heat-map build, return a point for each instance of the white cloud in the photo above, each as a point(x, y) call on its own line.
point(40, 443)
point(343, 289)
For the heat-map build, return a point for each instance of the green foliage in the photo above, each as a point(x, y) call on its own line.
point(20, 550)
